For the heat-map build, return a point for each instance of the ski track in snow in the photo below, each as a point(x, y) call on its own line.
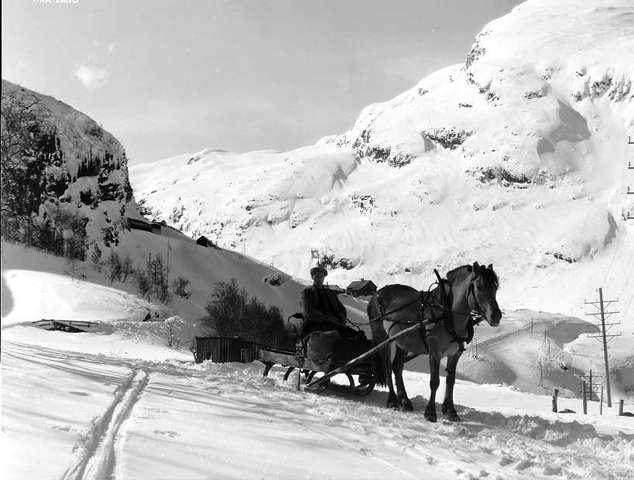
point(97, 460)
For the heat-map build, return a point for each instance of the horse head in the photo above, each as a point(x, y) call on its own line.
point(483, 289)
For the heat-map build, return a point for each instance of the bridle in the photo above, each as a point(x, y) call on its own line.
point(474, 316)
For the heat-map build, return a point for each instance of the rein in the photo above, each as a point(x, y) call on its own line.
point(474, 316)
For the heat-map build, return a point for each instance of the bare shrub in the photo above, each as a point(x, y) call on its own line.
point(114, 263)
point(232, 312)
point(126, 268)
point(143, 282)
point(180, 287)
point(170, 328)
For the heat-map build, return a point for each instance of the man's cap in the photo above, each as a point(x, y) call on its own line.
point(321, 270)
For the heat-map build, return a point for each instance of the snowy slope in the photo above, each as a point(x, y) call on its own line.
point(518, 157)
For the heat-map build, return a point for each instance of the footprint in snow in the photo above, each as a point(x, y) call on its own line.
point(524, 464)
point(156, 410)
point(167, 433)
point(62, 428)
point(81, 394)
point(552, 470)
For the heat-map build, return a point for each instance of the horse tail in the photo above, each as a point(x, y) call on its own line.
point(374, 312)
point(380, 367)
point(378, 364)
point(369, 309)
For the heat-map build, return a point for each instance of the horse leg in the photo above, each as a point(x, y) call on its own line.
point(386, 354)
point(403, 403)
point(434, 381)
point(448, 408)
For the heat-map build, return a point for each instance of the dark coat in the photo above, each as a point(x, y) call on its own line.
point(322, 310)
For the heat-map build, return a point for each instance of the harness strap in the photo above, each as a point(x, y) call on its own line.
point(448, 323)
point(445, 303)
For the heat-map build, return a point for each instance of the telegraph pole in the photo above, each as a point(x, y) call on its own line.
point(628, 214)
point(167, 265)
point(604, 335)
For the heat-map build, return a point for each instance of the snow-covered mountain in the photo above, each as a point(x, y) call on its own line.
point(517, 157)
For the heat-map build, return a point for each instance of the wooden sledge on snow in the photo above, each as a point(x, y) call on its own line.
point(69, 326)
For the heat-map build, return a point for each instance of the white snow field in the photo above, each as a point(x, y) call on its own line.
point(118, 403)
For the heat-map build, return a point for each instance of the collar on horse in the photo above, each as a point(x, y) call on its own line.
point(446, 303)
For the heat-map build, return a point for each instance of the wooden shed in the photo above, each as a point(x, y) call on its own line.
point(361, 288)
point(223, 349)
point(205, 242)
point(139, 224)
point(335, 288)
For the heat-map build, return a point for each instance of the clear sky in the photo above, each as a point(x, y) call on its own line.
point(175, 76)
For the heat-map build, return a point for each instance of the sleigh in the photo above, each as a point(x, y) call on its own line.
point(349, 362)
point(320, 354)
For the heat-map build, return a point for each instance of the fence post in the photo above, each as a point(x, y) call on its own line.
point(621, 408)
point(555, 395)
point(585, 398)
point(590, 390)
point(601, 402)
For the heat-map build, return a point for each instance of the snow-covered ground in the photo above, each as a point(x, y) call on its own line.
point(118, 403)
point(93, 416)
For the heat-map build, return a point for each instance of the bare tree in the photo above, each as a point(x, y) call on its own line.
point(170, 330)
point(22, 178)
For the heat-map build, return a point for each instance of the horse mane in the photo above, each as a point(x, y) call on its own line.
point(452, 274)
point(489, 277)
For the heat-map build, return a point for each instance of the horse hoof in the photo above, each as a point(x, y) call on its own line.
point(453, 417)
point(431, 417)
point(406, 406)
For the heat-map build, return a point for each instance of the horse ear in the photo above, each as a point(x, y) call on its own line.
point(490, 267)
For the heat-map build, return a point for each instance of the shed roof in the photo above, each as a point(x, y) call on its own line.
point(359, 284)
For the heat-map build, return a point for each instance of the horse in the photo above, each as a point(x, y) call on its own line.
point(454, 306)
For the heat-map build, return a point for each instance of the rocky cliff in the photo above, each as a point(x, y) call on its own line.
point(63, 174)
